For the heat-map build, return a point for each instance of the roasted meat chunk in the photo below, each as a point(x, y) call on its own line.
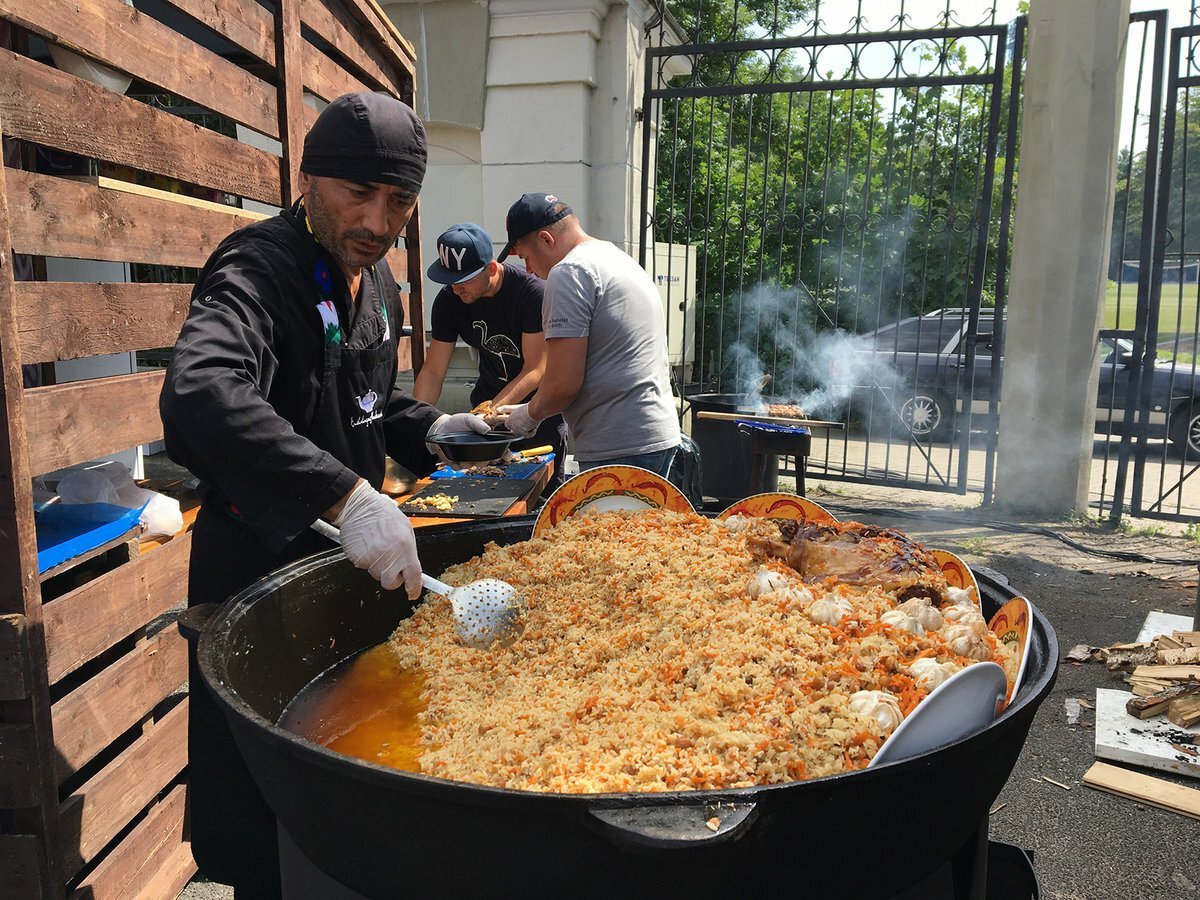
point(854, 553)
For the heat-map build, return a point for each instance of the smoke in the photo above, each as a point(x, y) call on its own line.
point(819, 370)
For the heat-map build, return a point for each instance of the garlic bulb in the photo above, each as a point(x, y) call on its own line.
point(794, 597)
point(960, 596)
point(902, 620)
point(929, 673)
point(829, 610)
point(968, 640)
point(879, 705)
point(921, 610)
point(765, 581)
point(737, 523)
point(962, 615)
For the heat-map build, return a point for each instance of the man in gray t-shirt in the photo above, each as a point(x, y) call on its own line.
point(606, 345)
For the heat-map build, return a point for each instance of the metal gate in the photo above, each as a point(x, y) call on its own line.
point(825, 201)
point(1163, 444)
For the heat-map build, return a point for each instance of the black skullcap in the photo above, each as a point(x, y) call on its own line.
point(367, 138)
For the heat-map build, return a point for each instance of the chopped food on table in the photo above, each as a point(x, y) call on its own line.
point(444, 502)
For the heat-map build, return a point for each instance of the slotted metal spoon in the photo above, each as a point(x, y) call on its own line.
point(486, 612)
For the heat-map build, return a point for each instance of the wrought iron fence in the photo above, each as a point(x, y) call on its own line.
point(825, 201)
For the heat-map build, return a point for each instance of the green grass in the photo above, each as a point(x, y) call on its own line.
point(1177, 314)
point(976, 545)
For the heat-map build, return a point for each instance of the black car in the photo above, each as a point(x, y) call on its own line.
point(925, 374)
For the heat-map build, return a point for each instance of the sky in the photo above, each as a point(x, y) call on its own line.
point(925, 13)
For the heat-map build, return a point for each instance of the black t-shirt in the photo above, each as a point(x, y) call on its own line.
point(494, 326)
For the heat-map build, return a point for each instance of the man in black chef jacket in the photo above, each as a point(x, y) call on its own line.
point(281, 398)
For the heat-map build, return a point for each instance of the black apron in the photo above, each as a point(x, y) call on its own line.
point(233, 830)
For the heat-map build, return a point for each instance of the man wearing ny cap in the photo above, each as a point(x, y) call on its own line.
point(280, 396)
point(606, 342)
point(497, 309)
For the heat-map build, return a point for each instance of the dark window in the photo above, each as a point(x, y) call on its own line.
point(917, 335)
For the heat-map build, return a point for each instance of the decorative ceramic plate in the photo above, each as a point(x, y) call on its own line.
point(608, 488)
point(1011, 625)
point(779, 506)
point(957, 573)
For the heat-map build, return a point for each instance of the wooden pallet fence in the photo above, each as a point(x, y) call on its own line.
point(93, 711)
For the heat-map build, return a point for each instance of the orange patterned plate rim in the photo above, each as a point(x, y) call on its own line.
point(626, 483)
point(778, 505)
point(1013, 621)
point(957, 573)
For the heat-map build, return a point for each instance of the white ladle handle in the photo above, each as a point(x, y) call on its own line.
point(321, 527)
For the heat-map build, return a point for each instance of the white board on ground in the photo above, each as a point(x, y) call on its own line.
point(1143, 742)
point(1163, 623)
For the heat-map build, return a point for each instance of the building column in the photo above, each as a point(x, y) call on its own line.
point(1069, 136)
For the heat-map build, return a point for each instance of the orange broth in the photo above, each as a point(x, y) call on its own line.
point(367, 707)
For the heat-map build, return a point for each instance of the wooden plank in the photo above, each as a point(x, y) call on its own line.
point(14, 658)
point(113, 33)
point(69, 320)
point(87, 621)
point(147, 850)
point(129, 187)
point(1144, 788)
point(1140, 742)
point(107, 802)
point(61, 217)
point(1167, 673)
point(171, 877)
point(288, 55)
point(46, 106)
point(397, 260)
point(18, 767)
point(20, 593)
point(102, 709)
point(241, 22)
point(22, 865)
point(324, 77)
point(341, 30)
point(72, 423)
point(381, 31)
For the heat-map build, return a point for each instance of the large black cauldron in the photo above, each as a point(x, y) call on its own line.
point(386, 833)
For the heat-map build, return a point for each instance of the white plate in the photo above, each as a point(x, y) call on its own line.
point(966, 702)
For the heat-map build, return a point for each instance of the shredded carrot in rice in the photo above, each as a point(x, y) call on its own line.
point(647, 665)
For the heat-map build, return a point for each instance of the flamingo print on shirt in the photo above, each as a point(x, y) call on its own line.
point(499, 344)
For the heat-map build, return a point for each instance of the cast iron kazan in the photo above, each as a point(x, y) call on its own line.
point(386, 833)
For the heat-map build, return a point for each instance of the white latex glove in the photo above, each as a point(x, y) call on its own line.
point(519, 420)
point(377, 537)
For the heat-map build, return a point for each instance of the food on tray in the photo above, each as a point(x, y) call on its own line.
point(483, 409)
point(785, 411)
point(443, 502)
point(664, 651)
point(492, 470)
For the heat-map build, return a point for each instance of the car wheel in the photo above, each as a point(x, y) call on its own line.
point(1185, 429)
point(925, 415)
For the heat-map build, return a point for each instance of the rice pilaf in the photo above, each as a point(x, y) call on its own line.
point(661, 654)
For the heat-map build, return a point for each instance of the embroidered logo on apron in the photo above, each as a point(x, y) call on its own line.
point(367, 403)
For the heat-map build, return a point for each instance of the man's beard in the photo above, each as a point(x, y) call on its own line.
point(338, 245)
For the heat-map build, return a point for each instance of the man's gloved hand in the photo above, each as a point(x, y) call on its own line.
point(519, 420)
point(377, 537)
point(454, 424)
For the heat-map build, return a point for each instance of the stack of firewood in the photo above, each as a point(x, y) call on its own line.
point(1164, 675)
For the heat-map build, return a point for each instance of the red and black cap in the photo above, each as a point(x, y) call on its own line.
point(531, 213)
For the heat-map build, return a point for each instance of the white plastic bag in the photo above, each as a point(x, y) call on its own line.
point(111, 483)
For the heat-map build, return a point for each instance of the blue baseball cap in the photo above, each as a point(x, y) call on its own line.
point(464, 251)
point(531, 213)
